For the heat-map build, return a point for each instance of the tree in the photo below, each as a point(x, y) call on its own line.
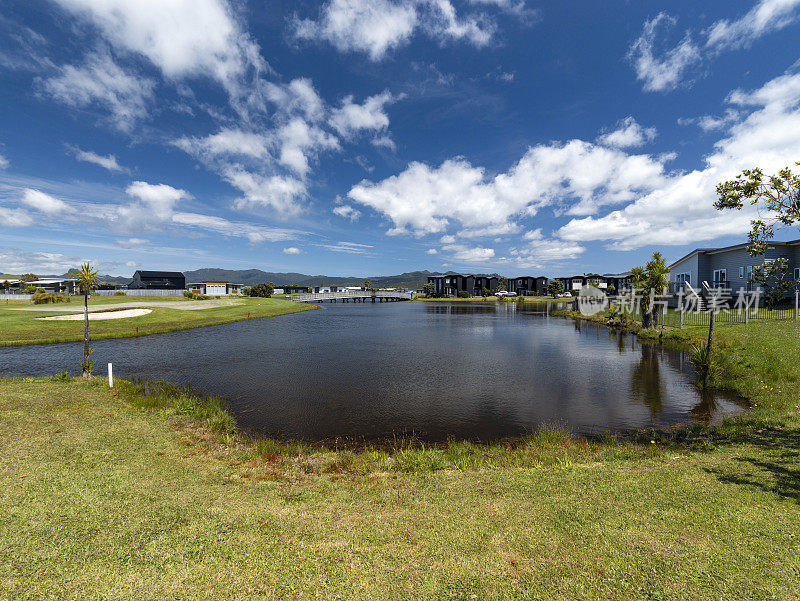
point(773, 279)
point(555, 287)
point(649, 281)
point(429, 289)
point(28, 277)
point(777, 196)
point(367, 285)
point(87, 279)
point(502, 284)
point(263, 290)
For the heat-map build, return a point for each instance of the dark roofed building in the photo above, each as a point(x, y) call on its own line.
point(158, 280)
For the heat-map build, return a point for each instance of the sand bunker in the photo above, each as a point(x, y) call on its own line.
point(100, 315)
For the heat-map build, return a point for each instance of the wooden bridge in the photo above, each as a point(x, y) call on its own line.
point(355, 296)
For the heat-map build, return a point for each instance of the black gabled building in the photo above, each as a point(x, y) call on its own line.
point(158, 280)
point(528, 285)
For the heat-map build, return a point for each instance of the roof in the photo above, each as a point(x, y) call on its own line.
point(52, 281)
point(159, 274)
point(732, 247)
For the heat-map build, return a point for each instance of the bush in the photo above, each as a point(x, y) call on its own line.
point(463, 294)
point(120, 293)
point(195, 295)
point(32, 290)
point(263, 290)
point(62, 297)
point(42, 298)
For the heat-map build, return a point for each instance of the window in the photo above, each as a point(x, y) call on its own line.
point(797, 273)
point(749, 272)
point(741, 272)
point(720, 276)
point(683, 278)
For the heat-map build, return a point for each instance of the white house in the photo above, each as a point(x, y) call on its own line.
point(215, 288)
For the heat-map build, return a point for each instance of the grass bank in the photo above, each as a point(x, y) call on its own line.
point(153, 494)
point(23, 327)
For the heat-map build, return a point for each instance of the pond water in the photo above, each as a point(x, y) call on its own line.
point(468, 370)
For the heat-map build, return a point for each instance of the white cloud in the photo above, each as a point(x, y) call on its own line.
point(767, 16)
point(154, 206)
point(279, 193)
point(226, 142)
point(425, 200)
point(299, 142)
point(132, 242)
point(183, 38)
point(665, 72)
point(474, 254)
point(431, 251)
point(351, 118)
point(351, 248)
point(377, 26)
point(15, 218)
point(49, 205)
point(106, 162)
point(537, 251)
point(681, 211)
point(3, 162)
point(712, 122)
point(347, 211)
point(254, 233)
point(298, 96)
point(628, 134)
point(13, 260)
point(384, 142)
point(100, 81)
point(292, 250)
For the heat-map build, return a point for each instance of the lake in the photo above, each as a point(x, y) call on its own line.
point(477, 371)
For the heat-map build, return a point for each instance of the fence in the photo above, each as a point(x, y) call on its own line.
point(25, 297)
point(138, 292)
point(680, 320)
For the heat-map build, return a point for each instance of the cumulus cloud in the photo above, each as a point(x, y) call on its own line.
point(153, 206)
point(292, 250)
point(376, 27)
point(681, 211)
point(664, 69)
point(351, 117)
point(227, 142)
point(280, 193)
point(538, 251)
point(300, 142)
point(628, 134)
point(426, 200)
point(49, 205)
point(469, 254)
point(347, 211)
point(431, 251)
point(106, 162)
point(182, 38)
point(132, 242)
point(101, 82)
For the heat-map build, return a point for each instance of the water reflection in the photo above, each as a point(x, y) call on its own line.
point(468, 370)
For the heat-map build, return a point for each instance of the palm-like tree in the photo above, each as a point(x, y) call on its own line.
point(87, 279)
point(652, 278)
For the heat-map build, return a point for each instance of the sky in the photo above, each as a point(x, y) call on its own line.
point(374, 137)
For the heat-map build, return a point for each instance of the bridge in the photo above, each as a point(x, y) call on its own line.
point(355, 296)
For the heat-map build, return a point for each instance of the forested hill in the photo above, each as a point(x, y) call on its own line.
point(413, 279)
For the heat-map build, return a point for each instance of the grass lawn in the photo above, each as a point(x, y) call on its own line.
point(113, 495)
point(22, 327)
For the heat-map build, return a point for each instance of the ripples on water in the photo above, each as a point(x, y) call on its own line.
point(467, 370)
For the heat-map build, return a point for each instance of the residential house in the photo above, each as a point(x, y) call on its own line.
point(158, 280)
point(528, 285)
point(729, 267)
point(215, 288)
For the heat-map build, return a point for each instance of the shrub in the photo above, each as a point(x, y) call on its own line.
point(263, 290)
point(463, 294)
point(120, 293)
point(62, 297)
point(42, 298)
point(31, 290)
point(195, 295)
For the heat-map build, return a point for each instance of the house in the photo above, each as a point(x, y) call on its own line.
point(452, 284)
point(294, 289)
point(158, 280)
point(215, 288)
point(620, 281)
point(729, 267)
point(52, 285)
point(527, 285)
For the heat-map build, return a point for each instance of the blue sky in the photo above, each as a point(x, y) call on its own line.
point(366, 137)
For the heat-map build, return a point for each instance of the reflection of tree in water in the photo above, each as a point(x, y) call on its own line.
point(705, 408)
point(646, 379)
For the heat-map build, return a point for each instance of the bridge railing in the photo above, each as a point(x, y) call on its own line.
point(345, 294)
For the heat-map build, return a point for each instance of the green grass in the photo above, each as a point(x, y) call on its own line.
point(152, 494)
point(22, 327)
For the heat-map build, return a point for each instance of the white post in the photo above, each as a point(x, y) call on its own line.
point(796, 302)
point(110, 376)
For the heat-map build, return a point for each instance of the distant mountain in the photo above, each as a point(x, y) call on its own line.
point(108, 279)
point(413, 279)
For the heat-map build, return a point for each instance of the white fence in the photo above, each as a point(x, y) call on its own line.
point(25, 297)
point(139, 292)
point(351, 294)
